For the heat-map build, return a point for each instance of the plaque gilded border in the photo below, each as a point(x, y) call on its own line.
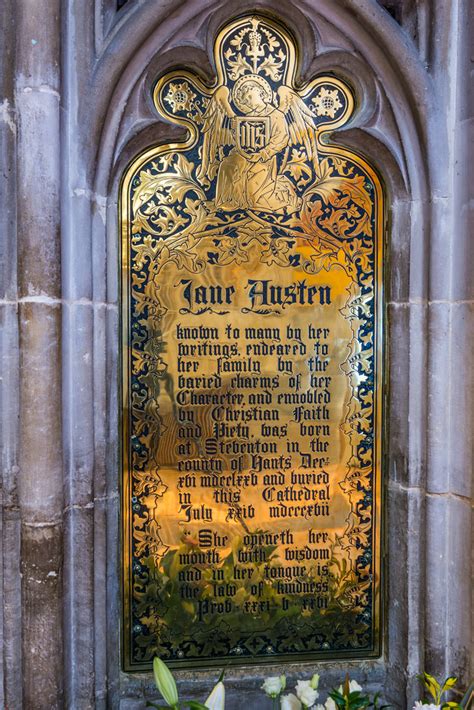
point(252, 319)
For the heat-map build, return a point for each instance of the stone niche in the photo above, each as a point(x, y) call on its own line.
point(76, 113)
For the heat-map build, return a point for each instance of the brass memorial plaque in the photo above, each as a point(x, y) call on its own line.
point(252, 370)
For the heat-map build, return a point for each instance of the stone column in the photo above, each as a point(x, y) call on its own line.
point(39, 298)
point(450, 358)
point(10, 620)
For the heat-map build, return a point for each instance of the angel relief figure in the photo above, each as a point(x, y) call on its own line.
point(248, 176)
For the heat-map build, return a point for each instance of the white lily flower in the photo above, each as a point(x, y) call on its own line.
point(353, 686)
point(419, 705)
point(216, 700)
point(330, 704)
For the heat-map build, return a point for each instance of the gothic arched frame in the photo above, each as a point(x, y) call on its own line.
point(327, 83)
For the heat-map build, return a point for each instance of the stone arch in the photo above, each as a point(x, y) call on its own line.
point(110, 113)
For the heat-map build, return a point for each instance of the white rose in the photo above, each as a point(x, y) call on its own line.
point(425, 706)
point(306, 693)
point(290, 702)
point(300, 684)
point(273, 686)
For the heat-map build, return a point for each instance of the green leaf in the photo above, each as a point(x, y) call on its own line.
point(194, 705)
point(449, 683)
point(431, 684)
point(431, 679)
point(358, 703)
point(375, 703)
point(338, 698)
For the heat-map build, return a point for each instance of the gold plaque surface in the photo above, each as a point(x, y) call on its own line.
point(252, 370)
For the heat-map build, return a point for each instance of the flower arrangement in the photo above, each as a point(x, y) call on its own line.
point(348, 696)
point(306, 692)
point(436, 690)
point(166, 685)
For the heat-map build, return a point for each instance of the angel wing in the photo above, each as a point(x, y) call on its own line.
point(301, 126)
point(217, 132)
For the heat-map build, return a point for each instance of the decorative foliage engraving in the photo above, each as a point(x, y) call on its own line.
point(326, 103)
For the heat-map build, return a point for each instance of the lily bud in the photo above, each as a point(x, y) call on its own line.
point(216, 700)
point(314, 681)
point(165, 682)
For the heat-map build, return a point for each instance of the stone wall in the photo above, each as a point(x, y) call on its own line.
point(75, 107)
